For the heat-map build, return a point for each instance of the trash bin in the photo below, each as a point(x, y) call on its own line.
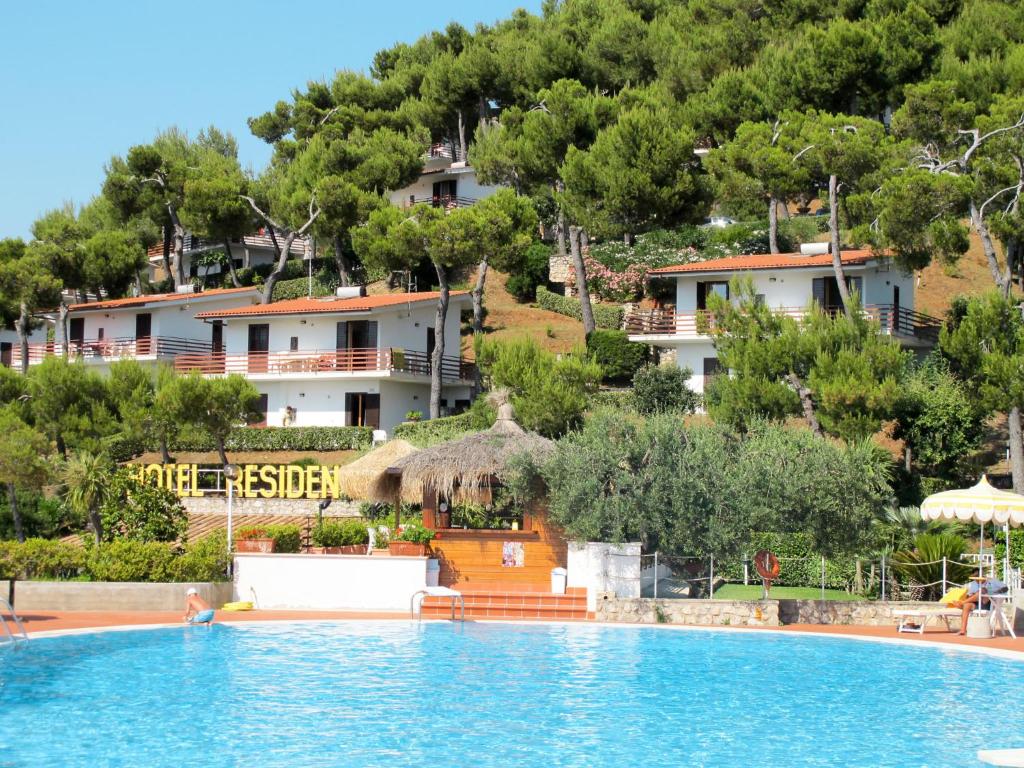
point(433, 572)
point(558, 577)
point(979, 625)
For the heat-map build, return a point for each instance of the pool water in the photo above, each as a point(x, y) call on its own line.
point(440, 694)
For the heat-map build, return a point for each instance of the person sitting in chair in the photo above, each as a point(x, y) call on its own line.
point(197, 610)
point(977, 597)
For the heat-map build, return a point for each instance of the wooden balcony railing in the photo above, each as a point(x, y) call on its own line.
point(113, 348)
point(323, 361)
point(894, 320)
point(441, 201)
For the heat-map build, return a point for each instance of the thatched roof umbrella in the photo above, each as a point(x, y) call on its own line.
point(356, 479)
point(467, 464)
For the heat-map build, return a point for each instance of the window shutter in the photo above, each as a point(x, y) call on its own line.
point(702, 295)
point(371, 334)
point(342, 338)
point(371, 411)
point(818, 291)
point(856, 284)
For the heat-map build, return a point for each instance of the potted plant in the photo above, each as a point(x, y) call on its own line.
point(414, 416)
point(253, 539)
point(347, 537)
point(412, 540)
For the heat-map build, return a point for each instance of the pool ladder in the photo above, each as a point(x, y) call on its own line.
point(11, 636)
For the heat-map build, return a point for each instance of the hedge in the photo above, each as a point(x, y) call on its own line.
point(424, 434)
point(618, 357)
point(122, 448)
point(298, 288)
point(605, 315)
point(122, 560)
point(800, 566)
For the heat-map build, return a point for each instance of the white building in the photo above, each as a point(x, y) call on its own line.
point(248, 251)
point(789, 283)
point(447, 181)
point(149, 329)
point(362, 361)
point(10, 344)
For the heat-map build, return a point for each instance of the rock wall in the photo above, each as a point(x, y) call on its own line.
point(216, 505)
point(705, 613)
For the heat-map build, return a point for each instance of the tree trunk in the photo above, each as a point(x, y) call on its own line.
point(62, 322)
point(989, 248)
point(96, 523)
point(478, 297)
point(560, 222)
point(167, 252)
point(805, 402)
point(837, 256)
point(222, 452)
point(231, 265)
point(344, 274)
point(12, 498)
point(773, 225)
point(1016, 450)
point(22, 326)
point(587, 311)
point(438, 356)
point(282, 261)
point(462, 137)
point(178, 257)
point(165, 453)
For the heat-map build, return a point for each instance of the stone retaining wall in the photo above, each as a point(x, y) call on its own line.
point(216, 505)
point(755, 613)
point(111, 596)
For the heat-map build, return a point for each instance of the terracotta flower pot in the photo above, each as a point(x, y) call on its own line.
point(407, 548)
point(265, 546)
point(347, 549)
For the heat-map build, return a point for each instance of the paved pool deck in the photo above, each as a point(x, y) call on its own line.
point(50, 621)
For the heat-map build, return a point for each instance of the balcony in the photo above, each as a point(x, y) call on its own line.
point(115, 348)
point(366, 363)
point(441, 201)
point(910, 327)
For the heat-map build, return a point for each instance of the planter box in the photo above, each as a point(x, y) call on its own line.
point(265, 546)
point(407, 548)
point(347, 549)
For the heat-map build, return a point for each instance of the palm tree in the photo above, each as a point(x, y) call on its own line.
point(86, 477)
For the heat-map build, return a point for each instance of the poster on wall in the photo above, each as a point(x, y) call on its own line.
point(512, 554)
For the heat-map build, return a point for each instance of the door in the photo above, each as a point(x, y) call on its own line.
point(431, 346)
point(259, 347)
point(144, 334)
point(362, 344)
point(444, 193)
point(711, 369)
point(825, 292)
point(6, 353)
point(895, 320)
point(76, 334)
point(707, 289)
point(362, 409)
point(217, 348)
point(262, 407)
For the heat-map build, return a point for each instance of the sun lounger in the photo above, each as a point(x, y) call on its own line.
point(916, 619)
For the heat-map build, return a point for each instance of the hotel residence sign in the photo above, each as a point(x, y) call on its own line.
point(254, 481)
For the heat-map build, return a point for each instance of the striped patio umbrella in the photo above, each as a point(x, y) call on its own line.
point(980, 504)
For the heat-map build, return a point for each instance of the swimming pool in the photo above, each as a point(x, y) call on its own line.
point(438, 694)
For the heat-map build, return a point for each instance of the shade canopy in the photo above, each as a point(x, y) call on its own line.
point(465, 465)
point(981, 504)
point(356, 479)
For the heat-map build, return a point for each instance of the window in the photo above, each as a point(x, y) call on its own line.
point(293, 345)
point(99, 334)
point(704, 290)
point(711, 369)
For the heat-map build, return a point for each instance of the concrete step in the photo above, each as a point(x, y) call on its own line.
point(512, 605)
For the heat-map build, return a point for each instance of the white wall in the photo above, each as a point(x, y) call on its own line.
point(691, 355)
point(329, 582)
point(602, 567)
point(466, 186)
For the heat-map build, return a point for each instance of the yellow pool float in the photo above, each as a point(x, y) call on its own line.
point(238, 606)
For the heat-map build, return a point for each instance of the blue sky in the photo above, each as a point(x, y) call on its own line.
point(82, 81)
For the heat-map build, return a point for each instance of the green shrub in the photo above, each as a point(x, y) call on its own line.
point(287, 538)
point(203, 560)
point(417, 533)
point(923, 564)
point(41, 516)
point(423, 434)
point(523, 281)
point(343, 533)
point(664, 389)
point(298, 287)
point(133, 509)
point(41, 559)
point(605, 315)
point(250, 532)
point(381, 511)
point(618, 357)
point(306, 461)
point(800, 564)
point(278, 439)
point(127, 560)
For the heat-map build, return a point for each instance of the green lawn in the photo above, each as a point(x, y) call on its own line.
point(753, 592)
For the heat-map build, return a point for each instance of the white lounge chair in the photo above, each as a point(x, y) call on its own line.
point(916, 619)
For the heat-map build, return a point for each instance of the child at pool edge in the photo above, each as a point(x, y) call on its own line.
point(197, 610)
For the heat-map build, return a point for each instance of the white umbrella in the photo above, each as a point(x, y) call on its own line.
point(980, 504)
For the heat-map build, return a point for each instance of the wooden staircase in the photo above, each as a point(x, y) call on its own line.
point(519, 601)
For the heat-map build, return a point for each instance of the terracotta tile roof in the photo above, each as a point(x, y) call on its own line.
point(156, 298)
point(767, 261)
point(328, 305)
